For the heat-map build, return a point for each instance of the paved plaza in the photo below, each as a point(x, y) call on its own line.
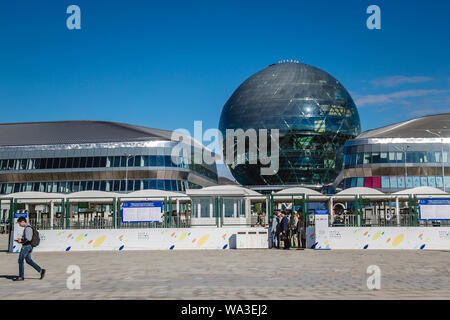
point(231, 274)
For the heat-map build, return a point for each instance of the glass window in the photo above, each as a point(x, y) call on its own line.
point(116, 185)
point(146, 185)
point(83, 161)
point(384, 157)
point(359, 158)
point(368, 182)
point(69, 163)
point(385, 182)
point(205, 208)
point(130, 161)
point(353, 182)
point(137, 161)
point(174, 185)
point(160, 184)
point(447, 182)
point(424, 181)
point(360, 182)
point(393, 182)
point(130, 185)
point(82, 185)
point(166, 184)
point(23, 164)
point(89, 185)
point(116, 161)
point(437, 157)
point(409, 182)
point(401, 182)
point(168, 161)
point(43, 163)
point(4, 164)
point(400, 157)
point(103, 162)
point(152, 161)
point(416, 181)
point(90, 162)
point(146, 160)
point(392, 157)
point(432, 181)
point(76, 162)
point(76, 186)
point(96, 162)
point(376, 182)
point(152, 184)
point(123, 161)
point(102, 185)
point(228, 208)
point(446, 156)
point(376, 157)
point(439, 182)
point(367, 158)
point(160, 161)
point(137, 185)
point(109, 162)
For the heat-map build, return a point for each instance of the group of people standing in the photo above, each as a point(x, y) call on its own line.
point(283, 230)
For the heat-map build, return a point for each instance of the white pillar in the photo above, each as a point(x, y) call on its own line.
point(397, 210)
point(178, 211)
point(51, 214)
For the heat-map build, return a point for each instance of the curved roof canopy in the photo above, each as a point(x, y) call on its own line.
point(34, 195)
point(422, 191)
point(359, 191)
point(298, 190)
point(415, 128)
point(80, 132)
point(223, 190)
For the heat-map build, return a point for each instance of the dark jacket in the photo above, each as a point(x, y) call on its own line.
point(284, 224)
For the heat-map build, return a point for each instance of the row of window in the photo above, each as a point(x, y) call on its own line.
point(106, 162)
point(352, 159)
point(397, 182)
point(101, 185)
point(91, 162)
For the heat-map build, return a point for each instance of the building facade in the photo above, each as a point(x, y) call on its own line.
point(71, 156)
point(400, 156)
point(314, 114)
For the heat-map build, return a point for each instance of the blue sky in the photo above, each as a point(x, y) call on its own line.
point(165, 64)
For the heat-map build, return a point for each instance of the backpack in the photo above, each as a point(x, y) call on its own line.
point(35, 239)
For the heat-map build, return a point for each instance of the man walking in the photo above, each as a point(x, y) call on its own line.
point(25, 252)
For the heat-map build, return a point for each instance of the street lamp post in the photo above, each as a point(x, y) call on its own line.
point(439, 134)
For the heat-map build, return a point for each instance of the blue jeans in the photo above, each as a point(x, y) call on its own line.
point(276, 240)
point(25, 253)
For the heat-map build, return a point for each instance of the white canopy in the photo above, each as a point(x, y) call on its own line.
point(298, 190)
point(359, 191)
point(422, 191)
point(225, 190)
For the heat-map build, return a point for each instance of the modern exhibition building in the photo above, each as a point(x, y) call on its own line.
point(72, 156)
point(315, 116)
point(409, 154)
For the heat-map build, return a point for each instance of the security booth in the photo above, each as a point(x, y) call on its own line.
point(228, 205)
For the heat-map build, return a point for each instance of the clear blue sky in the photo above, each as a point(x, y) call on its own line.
point(165, 64)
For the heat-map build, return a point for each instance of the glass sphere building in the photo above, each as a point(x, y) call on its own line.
point(315, 116)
